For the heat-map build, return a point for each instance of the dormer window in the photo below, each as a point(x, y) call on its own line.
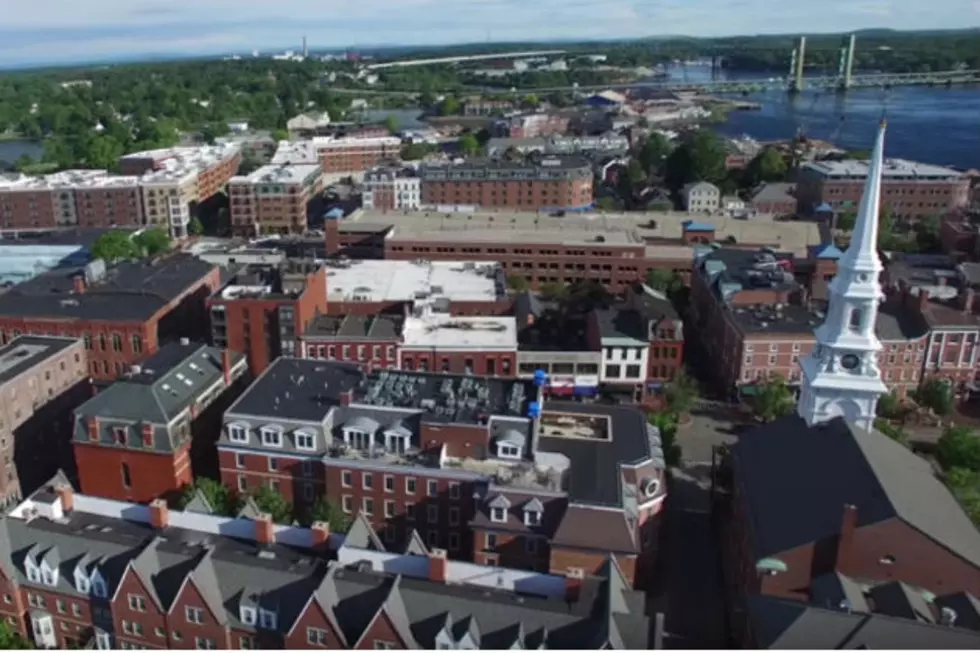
point(49, 576)
point(511, 444)
point(99, 588)
point(272, 436)
point(82, 583)
point(532, 513)
point(499, 506)
point(305, 440)
point(248, 616)
point(267, 619)
point(33, 573)
point(238, 432)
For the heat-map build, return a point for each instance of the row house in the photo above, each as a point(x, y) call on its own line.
point(123, 311)
point(137, 439)
point(441, 455)
point(81, 572)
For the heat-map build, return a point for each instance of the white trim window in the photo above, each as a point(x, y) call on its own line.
point(267, 619)
point(272, 436)
point(305, 440)
point(247, 615)
point(507, 450)
point(238, 432)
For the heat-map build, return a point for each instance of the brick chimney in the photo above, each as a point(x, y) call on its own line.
point(320, 532)
point(264, 529)
point(966, 300)
point(438, 566)
point(93, 428)
point(346, 397)
point(147, 435)
point(159, 514)
point(845, 539)
point(67, 496)
point(226, 365)
point(331, 231)
point(574, 578)
point(78, 284)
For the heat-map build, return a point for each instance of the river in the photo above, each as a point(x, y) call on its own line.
point(11, 150)
point(936, 125)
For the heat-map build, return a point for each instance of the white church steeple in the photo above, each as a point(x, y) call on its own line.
point(841, 377)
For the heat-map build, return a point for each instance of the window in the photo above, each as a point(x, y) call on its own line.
point(453, 516)
point(368, 505)
point(272, 437)
point(316, 636)
point(454, 541)
point(409, 486)
point(240, 461)
point(248, 616)
point(367, 481)
point(103, 641)
point(491, 541)
point(60, 606)
point(507, 450)
point(345, 478)
point(246, 643)
point(433, 488)
point(205, 644)
point(305, 440)
point(194, 615)
point(389, 509)
point(127, 480)
point(532, 518)
point(273, 465)
point(531, 545)
point(347, 502)
point(855, 321)
point(409, 511)
point(267, 619)
point(137, 603)
point(99, 588)
point(242, 483)
point(307, 467)
point(498, 515)
point(432, 513)
point(381, 645)
point(238, 433)
point(632, 371)
point(389, 483)
point(454, 492)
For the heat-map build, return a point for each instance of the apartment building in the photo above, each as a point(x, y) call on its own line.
point(530, 125)
point(478, 106)
point(476, 465)
point(341, 154)
point(391, 189)
point(133, 440)
point(122, 312)
point(262, 310)
point(439, 342)
point(371, 341)
point(369, 287)
point(275, 199)
point(72, 198)
point(910, 190)
point(41, 380)
point(83, 572)
point(609, 144)
point(701, 197)
point(554, 183)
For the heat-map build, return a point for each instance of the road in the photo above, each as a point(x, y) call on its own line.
point(689, 591)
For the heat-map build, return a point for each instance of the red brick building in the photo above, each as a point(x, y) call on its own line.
point(262, 311)
point(87, 198)
point(356, 154)
point(275, 199)
point(775, 198)
point(123, 311)
point(370, 341)
point(133, 440)
point(432, 453)
point(531, 125)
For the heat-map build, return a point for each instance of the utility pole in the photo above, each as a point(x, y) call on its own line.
point(796, 66)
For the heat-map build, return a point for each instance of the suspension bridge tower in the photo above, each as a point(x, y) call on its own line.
point(796, 67)
point(846, 64)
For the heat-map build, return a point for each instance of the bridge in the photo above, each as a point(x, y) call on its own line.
point(461, 59)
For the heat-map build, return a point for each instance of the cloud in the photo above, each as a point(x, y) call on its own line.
point(42, 31)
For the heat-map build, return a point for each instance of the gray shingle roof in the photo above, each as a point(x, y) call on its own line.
point(781, 470)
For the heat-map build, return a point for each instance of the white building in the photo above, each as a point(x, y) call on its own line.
point(391, 189)
point(841, 378)
point(701, 197)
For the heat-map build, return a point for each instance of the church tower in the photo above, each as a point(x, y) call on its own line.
point(841, 377)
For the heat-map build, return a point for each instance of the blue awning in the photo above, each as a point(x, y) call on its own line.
point(691, 225)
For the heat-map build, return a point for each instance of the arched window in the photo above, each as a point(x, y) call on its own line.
point(126, 478)
point(856, 319)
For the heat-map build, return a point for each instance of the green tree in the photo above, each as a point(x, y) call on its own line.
point(609, 204)
point(271, 502)
point(113, 246)
point(767, 165)
point(772, 400)
point(927, 234)
point(701, 157)
point(666, 423)
point(517, 283)
point(888, 429)
point(959, 446)
point(213, 131)
point(326, 511)
point(889, 406)
point(103, 152)
point(636, 174)
point(10, 639)
point(280, 135)
point(681, 393)
point(530, 101)
point(391, 124)
point(554, 291)
point(449, 107)
point(194, 227)
point(468, 144)
point(219, 496)
point(846, 220)
point(24, 162)
point(663, 280)
point(654, 152)
point(416, 151)
point(152, 241)
point(937, 395)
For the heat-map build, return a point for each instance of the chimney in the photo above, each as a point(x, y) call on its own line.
point(159, 514)
point(320, 532)
point(78, 284)
point(67, 496)
point(574, 578)
point(93, 429)
point(346, 397)
point(966, 300)
point(147, 435)
point(438, 566)
point(923, 298)
point(264, 529)
point(845, 539)
point(226, 365)
point(331, 231)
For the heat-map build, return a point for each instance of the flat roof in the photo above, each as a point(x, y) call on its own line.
point(405, 281)
point(25, 352)
point(181, 162)
point(280, 174)
point(892, 170)
point(295, 153)
point(438, 331)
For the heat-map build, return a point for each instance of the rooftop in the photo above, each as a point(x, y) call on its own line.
point(281, 174)
point(442, 332)
point(24, 352)
point(474, 168)
point(893, 170)
point(295, 153)
point(69, 179)
point(407, 281)
point(284, 280)
point(178, 163)
point(126, 291)
point(348, 327)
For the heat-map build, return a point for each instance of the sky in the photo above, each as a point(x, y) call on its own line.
point(35, 32)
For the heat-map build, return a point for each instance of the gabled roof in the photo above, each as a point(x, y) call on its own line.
point(415, 545)
point(361, 535)
point(249, 510)
point(199, 504)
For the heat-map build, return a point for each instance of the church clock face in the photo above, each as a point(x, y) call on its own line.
point(849, 361)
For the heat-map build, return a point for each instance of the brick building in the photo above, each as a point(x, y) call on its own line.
point(530, 125)
point(881, 516)
point(122, 312)
point(774, 197)
point(391, 189)
point(72, 198)
point(445, 454)
point(81, 572)
point(371, 341)
point(554, 183)
point(348, 154)
point(261, 311)
point(41, 380)
point(910, 191)
point(275, 199)
point(133, 440)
